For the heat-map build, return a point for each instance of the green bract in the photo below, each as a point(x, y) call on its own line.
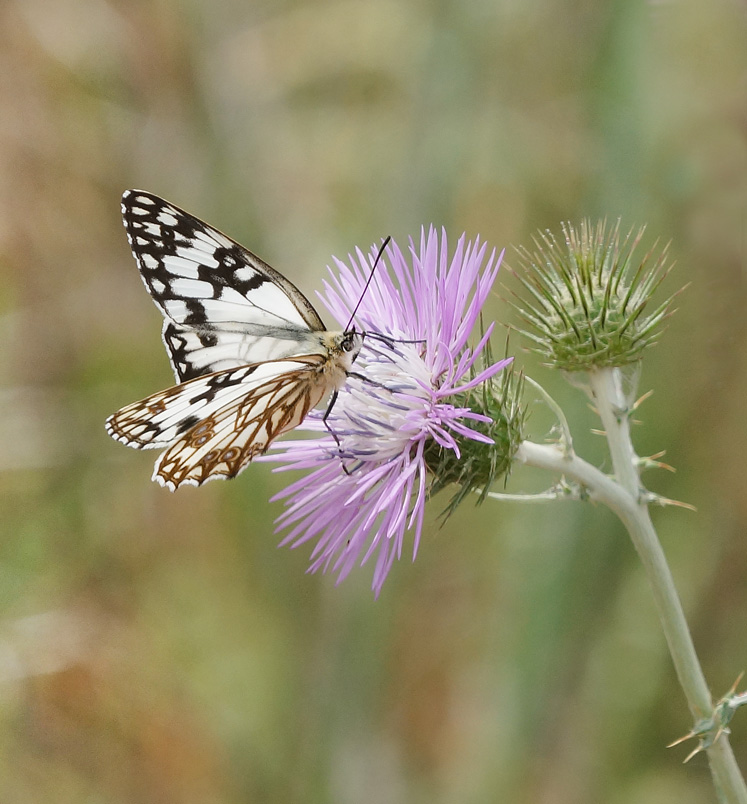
point(588, 302)
point(478, 465)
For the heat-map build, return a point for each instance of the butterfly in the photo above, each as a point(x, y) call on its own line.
point(249, 351)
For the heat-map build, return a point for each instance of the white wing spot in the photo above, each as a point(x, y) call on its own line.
point(149, 261)
point(191, 288)
point(158, 286)
point(143, 199)
point(175, 309)
point(245, 273)
point(167, 219)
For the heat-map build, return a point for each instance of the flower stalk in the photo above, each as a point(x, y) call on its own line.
point(588, 310)
point(627, 499)
point(615, 406)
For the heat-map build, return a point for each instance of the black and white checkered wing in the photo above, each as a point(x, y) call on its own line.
point(223, 306)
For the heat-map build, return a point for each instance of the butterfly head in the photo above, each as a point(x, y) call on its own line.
point(344, 346)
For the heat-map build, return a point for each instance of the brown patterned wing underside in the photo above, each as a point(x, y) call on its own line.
point(225, 441)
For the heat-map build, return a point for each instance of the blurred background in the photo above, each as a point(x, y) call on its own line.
point(160, 648)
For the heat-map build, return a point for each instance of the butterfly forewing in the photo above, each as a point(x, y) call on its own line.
point(224, 307)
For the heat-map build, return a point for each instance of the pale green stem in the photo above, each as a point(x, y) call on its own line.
point(565, 430)
point(541, 497)
point(624, 497)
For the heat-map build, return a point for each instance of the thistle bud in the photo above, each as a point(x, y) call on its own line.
point(588, 301)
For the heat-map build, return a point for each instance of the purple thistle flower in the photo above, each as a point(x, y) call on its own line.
point(368, 488)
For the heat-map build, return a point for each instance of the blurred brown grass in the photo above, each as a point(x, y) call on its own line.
point(160, 648)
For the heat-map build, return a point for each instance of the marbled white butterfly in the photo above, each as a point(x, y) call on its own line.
point(251, 354)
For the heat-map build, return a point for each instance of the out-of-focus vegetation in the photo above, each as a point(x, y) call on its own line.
point(160, 648)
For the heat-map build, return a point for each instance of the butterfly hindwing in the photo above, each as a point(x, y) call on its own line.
point(224, 443)
point(214, 425)
point(158, 420)
point(224, 307)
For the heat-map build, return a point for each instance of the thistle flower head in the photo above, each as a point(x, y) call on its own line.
point(407, 407)
point(588, 301)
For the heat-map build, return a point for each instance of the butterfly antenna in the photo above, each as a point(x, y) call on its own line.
point(368, 281)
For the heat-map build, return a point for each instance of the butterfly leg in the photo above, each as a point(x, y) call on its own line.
point(364, 379)
point(334, 435)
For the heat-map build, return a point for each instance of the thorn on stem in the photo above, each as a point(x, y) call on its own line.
point(642, 399)
point(657, 499)
point(652, 462)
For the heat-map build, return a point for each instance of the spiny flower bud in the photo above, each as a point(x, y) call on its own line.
point(588, 302)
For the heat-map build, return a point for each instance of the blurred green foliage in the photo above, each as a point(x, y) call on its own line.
point(158, 647)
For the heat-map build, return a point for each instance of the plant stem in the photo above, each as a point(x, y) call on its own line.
point(625, 502)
